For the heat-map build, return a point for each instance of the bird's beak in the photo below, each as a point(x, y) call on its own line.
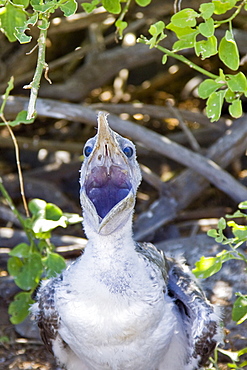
point(107, 178)
point(106, 150)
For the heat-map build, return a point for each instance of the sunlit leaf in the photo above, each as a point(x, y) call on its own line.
point(237, 82)
point(69, 8)
point(222, 6)
point(228, 51)
point(143, 2)
point(207, 266)
point(10, 18)
point(206, 48)
point(207, 87)
point(239, 311)
point(214, 105)
point(36, 205)
point(185, 18)
point(52, 212)
point(112, 6)
point(235, 109)
point(121, 25)
point(207, 28)
point(206, 10)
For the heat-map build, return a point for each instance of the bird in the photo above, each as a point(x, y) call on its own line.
point(122, 305)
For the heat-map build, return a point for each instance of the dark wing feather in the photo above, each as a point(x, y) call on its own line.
point(201, 324)
point(46, 316)
point(200, 321)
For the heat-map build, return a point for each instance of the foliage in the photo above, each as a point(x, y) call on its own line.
point(208, 266)
point(196, 29)
point(16, 17)
point(29, 262)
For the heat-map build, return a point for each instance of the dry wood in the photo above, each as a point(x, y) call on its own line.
point(188, 186)
point(158, 143)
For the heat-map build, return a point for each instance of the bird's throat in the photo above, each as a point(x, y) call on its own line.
point(106, 187)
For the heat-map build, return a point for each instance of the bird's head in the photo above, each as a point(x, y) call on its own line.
point(110, 176)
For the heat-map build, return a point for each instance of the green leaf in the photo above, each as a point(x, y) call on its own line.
point(233, 355)
point(20, 31)
point(239, 311)
point(235, 109)
point(26, 273)
point(25, 3)
point(90, 7)
point(112, 6)
point(228, 51)
point(182, 33)
point(237, 82)
point(207, 28)
point(222, 6)
point(212, 233)
point(10, 18)
point(207, 10)
point(214, 105)
point(222, 223)
point(143, 2)
point(19, 308)
point(185, 18)
point(243, 205)
point(22, 250)
point(54, 264)
point(53, 212)
point(20, 118)
point(207, 87)
point(156, 30)
point(72, 218)
point(36, 206)
point(207, 266)
point(120, 25)
point(164, 59)
point(230, 96)
point(69, 8)
point(183, 44)
point(44, 7)
point(206, 48)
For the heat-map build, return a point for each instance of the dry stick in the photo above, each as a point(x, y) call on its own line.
point(41, 65)
point(18, 164)
point(158, 143)
point(189, 185)
point(192, 140)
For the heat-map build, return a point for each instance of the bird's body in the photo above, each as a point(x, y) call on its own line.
point(122, 305)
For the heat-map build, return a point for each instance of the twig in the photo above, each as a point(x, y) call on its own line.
point(34, 85)
point(10, 203)
point(18, 164)
point(192, 140)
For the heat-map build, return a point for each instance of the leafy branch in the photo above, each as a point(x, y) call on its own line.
point(15, 20)
point(30, 261)
point(195, 29)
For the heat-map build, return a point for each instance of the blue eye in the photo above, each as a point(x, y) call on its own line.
point(128, 151)
point(87, 150)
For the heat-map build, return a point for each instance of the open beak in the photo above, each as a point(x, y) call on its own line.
point(108, 173)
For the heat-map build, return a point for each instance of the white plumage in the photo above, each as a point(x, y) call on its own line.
point(122, 305)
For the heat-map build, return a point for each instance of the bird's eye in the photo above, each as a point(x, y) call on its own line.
point(128, 151)
point(87, 150)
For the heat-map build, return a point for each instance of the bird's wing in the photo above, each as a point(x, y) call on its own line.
point(45, 313)
point(200, 321)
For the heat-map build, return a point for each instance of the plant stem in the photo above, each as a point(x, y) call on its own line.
point(34, 85)
point(186, 61)
point(10, 203)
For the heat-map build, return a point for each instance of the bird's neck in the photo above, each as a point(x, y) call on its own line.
point(120, 242)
